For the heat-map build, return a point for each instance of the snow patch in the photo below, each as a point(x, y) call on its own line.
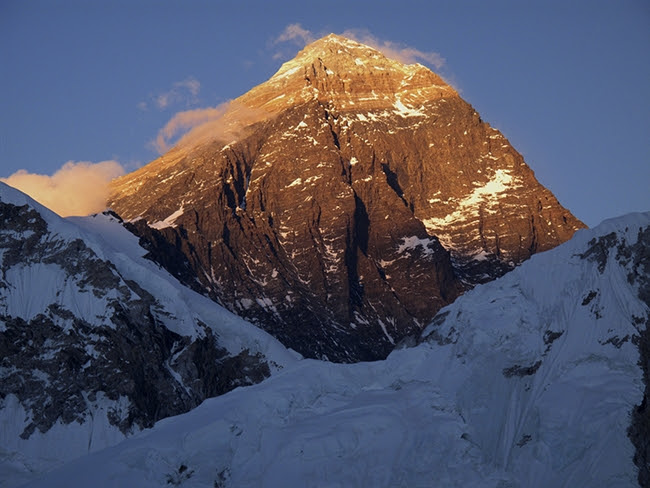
point(169, 221)
point(486, 196)
point(385, 331)
point(296, 182)
point(414, 242)
point(405, 111)
point(284, 74)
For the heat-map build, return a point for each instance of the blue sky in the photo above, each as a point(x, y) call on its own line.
point(567, 82)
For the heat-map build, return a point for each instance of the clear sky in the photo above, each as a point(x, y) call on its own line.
point(567, 82)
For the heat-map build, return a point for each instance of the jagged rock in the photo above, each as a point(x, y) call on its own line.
point(343, 202)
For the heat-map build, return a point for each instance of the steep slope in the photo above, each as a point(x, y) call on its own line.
point(343, 202)
point(529, 380)
point(97, 342)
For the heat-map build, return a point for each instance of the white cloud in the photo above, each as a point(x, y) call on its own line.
point(77, 188)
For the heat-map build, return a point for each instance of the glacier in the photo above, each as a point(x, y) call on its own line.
point(528, 381)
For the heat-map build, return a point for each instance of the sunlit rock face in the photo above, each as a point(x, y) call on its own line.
point(343, 202)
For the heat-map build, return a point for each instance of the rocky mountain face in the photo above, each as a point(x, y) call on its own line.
point(97, 342)
point(343, 202)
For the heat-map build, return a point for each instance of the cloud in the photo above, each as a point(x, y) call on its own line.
point(184, 92)
point(225, 121)
point(77, 188)
point(394, 50)
point(295, 32)
point(184, 121)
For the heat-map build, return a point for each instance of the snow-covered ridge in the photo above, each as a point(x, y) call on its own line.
point(93, 335)
point(525, 381)
point(110, 241)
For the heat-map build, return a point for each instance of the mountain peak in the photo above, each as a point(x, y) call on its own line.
point(348, 76)
point(360, 195)
point(335, 49)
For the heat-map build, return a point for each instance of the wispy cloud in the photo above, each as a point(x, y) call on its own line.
point(396, 50)
point(185, 121)
point(296, 34)
point(182, 93)
point(223, 122)
point(77, 188)
point(226, 121)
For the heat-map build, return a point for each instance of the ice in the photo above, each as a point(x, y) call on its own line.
point(464, 408)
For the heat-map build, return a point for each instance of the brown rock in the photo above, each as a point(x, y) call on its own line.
point(322, 218)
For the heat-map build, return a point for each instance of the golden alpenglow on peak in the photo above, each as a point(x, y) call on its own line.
point(339, 73)
point(342, 203)
point(339, 53)
point(348, 76)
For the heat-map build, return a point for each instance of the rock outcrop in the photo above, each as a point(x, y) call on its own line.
point(343, 202)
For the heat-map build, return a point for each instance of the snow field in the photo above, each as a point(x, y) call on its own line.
point(516, 386)
point(526, 381)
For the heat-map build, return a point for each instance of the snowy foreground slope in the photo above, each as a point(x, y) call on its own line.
point(97, 342)
point(532, 380)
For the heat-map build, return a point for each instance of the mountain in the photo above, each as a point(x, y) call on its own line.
point(536, 379)
point(343, 202)
point(97, 342)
